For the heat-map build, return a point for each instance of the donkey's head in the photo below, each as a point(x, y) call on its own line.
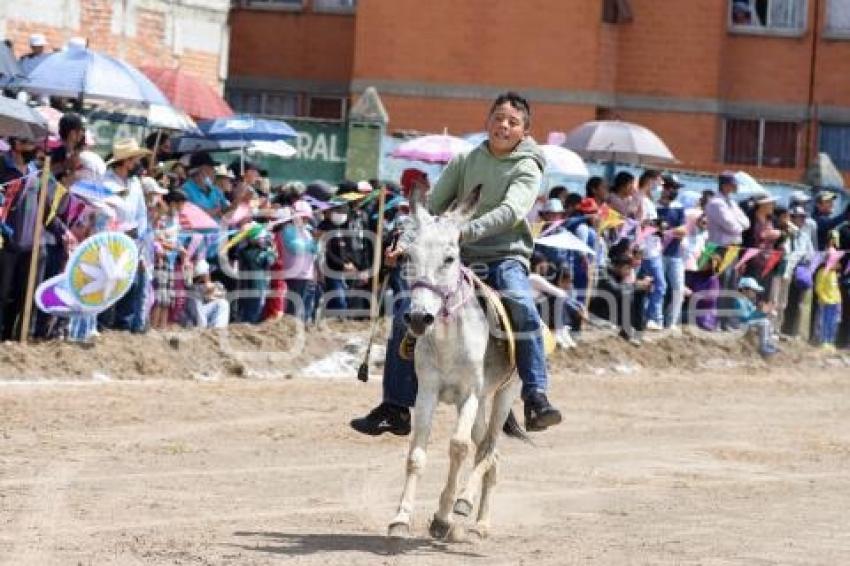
point(434, 270)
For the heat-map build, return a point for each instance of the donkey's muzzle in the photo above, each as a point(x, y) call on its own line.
point(418, 322)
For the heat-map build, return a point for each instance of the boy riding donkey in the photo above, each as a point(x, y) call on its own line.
point(497, 245)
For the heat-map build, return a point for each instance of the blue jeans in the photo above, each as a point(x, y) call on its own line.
point(337, 300)
point(828, 318)
point(307, 290)
point(251, 307)
point(674, 270)
point(511, 278)
point(128, 310)
point(654, 267)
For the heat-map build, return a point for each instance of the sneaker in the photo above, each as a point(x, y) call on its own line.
point(769, 350)
point(564, 340)
point(654, 326)
point(539, 413)
point(384, 418)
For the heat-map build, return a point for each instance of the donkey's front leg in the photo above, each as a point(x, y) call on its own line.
point(423, 412)
point(458, 449)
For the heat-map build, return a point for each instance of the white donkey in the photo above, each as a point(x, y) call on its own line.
point(458, 361)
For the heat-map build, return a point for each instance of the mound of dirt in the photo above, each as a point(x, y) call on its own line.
point(282, 349)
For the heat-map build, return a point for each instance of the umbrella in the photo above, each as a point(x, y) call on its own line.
point(101, 269)
point(438, 148)
point(565, 240)
point(154, 116)
point(189, 93)
point(747, 186)
point(233, 133)
point(613, 140)
point(823, 173)
point(271, 148)
point(80, 72)
point(563, 161)
point(19, 120)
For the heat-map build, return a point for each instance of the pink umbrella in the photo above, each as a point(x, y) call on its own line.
point(439, 148)
point(193, 217)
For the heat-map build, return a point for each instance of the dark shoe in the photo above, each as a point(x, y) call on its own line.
point(539, 413)
point(405, 349)
point(384, 418)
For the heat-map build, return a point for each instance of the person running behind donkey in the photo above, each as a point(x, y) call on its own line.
point(497, 245)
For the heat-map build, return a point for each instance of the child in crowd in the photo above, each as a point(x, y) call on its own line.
point(256, 256)
point(620, 297)
point(208, 306)
point(167, 250)
point(754, 314)
point(828, 295)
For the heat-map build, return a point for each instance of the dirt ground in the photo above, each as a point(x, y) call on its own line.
point(172, 449)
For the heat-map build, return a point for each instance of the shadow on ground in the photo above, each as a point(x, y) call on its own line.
point(301, 544)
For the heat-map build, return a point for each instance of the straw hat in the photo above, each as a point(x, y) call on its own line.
point(126, 148)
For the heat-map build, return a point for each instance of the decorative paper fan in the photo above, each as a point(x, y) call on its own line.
point(101, 270)
point(54, 297)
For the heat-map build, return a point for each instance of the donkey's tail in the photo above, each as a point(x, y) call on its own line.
point(511, 428)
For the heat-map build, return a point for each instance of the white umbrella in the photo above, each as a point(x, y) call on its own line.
point(272, 148)
point(747, 186)
point(565, 240)
point(563, 161)
point(20, 121)
point(613, 140)
point(437, 148)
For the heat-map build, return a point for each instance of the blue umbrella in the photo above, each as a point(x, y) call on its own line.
point(234, 132)
point(81, 72)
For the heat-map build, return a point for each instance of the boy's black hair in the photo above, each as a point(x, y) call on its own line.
point(623, 178)
point(556, 192)
point(516, 101)
point(647, 175)
point(592, 184)
point(69, 122)
point(573, 199)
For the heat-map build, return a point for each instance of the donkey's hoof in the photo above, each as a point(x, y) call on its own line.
point(457, 533)
point(398, 530)
point(477, 534)
point(463, 507)
point(439, 528)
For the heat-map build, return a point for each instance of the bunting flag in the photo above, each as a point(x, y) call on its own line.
point(12, 189)
point(61, 191)
point(629, 225)
point(707, 252)
point(772, 261)
point(728, 257)
point(536, 229)
point(609, 218)
point(748, 255)
point(833, 256)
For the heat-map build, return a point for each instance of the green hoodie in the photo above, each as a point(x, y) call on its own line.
point(510, 186)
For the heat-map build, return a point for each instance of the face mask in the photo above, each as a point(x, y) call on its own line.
point(338, 219)
point(208, 182)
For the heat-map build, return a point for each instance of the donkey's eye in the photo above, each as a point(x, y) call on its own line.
point(449, 260)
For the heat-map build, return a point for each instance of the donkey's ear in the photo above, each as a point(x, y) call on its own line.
point(462, 210)
point(418, 208)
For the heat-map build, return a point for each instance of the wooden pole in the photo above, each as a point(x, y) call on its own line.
point(376, 256)
point(36, 250)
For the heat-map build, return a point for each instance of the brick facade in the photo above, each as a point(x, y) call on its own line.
point(150, 33)
point(679, 68)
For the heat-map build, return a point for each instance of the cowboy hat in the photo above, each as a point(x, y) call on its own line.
point(126, 148)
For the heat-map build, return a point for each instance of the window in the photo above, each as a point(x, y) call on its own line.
point(327, 108)
point(344, 6)
point(769, 16)
point(271, 4)
point(760, 143)
point(616, 11)
point(838, 18)
point(246, 101)
point(835, 141)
